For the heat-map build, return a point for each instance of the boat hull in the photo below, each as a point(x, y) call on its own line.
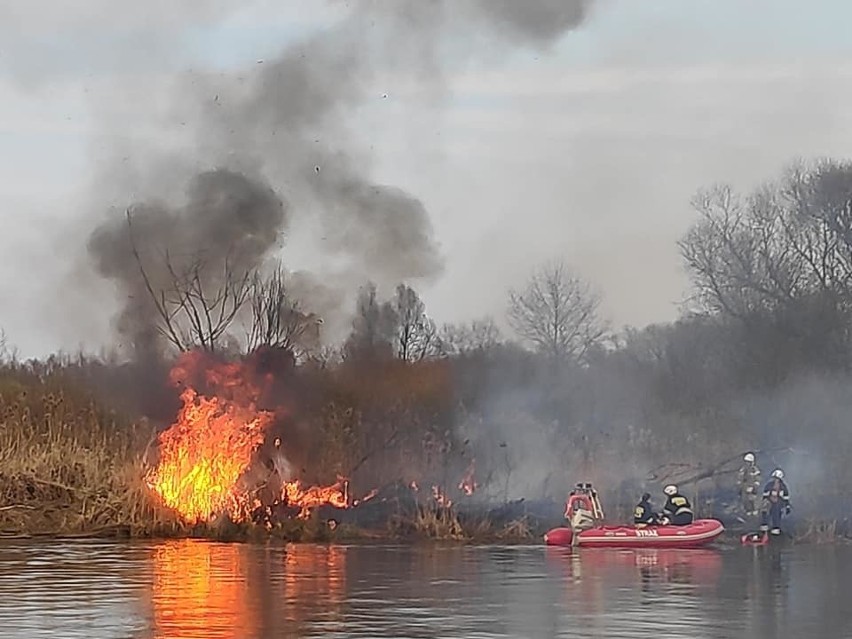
point(699, 533)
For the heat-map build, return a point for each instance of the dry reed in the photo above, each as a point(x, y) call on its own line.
point(69, 466)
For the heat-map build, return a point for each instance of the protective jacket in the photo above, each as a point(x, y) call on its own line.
point(678, 510)
point(775, 491)
point(776, 502)
point(749, 478)
point(643, 514)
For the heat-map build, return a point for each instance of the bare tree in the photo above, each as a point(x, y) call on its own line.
point(557, 313)
point(780, 262)
point(198, 302)
point(739, 254)
point(789, 241)
point(477, 335)
point(277, 319)
point(8, 354)
point(417, 335)
point(373, 327)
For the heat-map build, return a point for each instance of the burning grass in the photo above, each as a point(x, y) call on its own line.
point(70, 465)
point(211, 444)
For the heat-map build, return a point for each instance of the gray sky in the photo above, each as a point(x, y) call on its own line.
point(588, 152)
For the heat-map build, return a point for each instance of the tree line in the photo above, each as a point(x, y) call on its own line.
point(759, 359)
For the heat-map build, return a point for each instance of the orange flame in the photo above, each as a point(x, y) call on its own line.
point(441, 497)
point(202, 590)
point(468, 484)
point(203, 455)
point(307, 498)
point(212, 444)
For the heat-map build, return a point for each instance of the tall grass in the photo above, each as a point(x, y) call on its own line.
point(440, 523)
point(69, 465)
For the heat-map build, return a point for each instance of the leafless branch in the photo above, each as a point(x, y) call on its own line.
point(194, 307)
point(557, 313)
point(276, 318)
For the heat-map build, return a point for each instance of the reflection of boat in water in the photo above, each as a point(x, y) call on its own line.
point(701, 563)
point(699, 533)
point(584, 513)
point(698, 566)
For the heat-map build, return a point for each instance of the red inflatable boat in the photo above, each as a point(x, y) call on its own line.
point(583, 506)
point(699, 533)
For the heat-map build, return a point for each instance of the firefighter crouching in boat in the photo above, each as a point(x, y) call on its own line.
point(643, 513)
point(776, 501)
point(749, 483)
point(678, 510)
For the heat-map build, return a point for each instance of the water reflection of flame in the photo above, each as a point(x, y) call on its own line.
point(314, 574)
point(200, 590)
point(239, 591)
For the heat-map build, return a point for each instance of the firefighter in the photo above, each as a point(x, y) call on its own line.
point(678, 510)
point(643, 513)
point(749, 484)
point(776, 502)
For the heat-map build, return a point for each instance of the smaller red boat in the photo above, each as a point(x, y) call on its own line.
point(584, 500)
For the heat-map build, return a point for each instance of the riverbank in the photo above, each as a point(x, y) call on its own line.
point(428, 524)
point(72, 467)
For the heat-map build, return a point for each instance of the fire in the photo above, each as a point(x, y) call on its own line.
point(441, 497)
point(468, 484)
point(200, 589)
point(306, 498)
point(213, 441)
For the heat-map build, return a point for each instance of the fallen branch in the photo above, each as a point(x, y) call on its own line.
point(375, 450)
point(47, 482)
point(715, 470)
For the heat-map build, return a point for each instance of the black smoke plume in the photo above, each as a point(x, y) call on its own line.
point(279, 132)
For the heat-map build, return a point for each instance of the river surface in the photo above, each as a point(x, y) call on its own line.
point(192, 589)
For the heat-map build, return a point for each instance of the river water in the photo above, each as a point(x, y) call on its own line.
point(192, 589)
